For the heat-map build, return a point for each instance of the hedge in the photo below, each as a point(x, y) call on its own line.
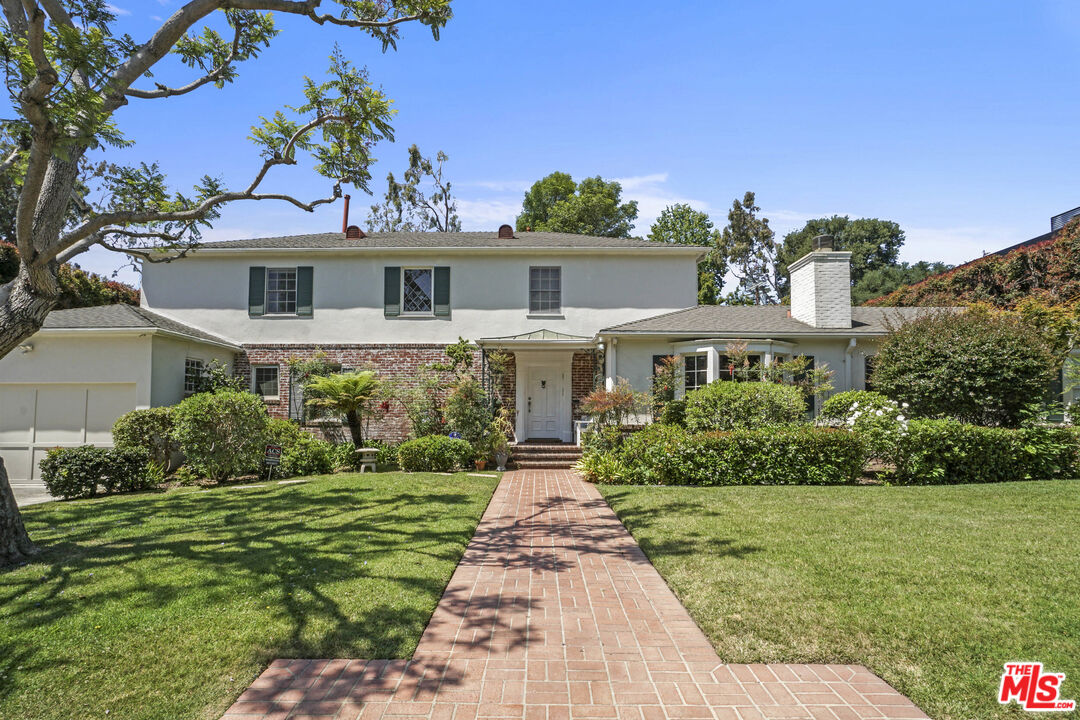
point(796, 455)
point(948, 452)
point(743, 406)
point(78, 472)
point(434, 453)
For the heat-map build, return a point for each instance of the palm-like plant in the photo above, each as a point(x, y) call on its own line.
point(346, 394)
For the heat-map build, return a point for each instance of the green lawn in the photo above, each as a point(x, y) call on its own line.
point(932, 588)
point(168, 605)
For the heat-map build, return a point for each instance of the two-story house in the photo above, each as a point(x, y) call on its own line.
point(573, 311)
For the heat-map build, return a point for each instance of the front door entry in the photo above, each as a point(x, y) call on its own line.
point(543, 398)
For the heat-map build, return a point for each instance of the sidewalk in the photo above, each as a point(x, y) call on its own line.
point(554, 612)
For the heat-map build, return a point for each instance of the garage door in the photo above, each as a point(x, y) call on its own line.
point(35, 418)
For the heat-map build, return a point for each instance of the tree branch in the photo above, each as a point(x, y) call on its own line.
point(9, 161)
point(212, 76)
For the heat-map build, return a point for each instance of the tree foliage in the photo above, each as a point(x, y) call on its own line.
point(883, 280)
point(593, 207)
point(980, 366)
point(750, 247)
point(681, 224)
point(349, 395)
point(407, 206)
point(78, 288)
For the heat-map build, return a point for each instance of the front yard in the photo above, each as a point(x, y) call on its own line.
point(168, 605)
point(932, 588)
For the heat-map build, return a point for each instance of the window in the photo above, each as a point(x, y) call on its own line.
point(264, 380)
point(545, 290)
point(416, 289)
point(868, 372)
point(281, 291)
point(695, 375)
point(193, 370)
point(727, 371)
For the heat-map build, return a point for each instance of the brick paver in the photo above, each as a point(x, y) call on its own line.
point(555, 613)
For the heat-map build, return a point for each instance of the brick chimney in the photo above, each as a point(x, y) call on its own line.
point(821, 286)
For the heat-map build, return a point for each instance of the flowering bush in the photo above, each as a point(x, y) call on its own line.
point(613, 407)
point(880, 421)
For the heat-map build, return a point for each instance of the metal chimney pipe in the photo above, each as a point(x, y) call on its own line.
point(345, 215)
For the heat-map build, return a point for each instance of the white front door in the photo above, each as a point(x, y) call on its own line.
point(545, 395)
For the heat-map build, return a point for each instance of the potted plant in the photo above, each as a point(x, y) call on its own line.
point(499, 433)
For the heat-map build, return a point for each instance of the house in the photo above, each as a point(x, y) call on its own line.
point(574, 312)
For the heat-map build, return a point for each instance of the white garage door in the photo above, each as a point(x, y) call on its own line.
point(35, 418)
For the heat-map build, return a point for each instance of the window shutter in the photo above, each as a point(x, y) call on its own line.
point(305, 276)
point(256, 291)
point(441, 299)
point(391, 291)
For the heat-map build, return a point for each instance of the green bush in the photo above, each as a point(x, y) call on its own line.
point(601, 439)
point(150, 430)
point(434, 453)
point(468, 411)
point(978, 366)
point(603, 468)
point(793, 455)
point(301, 452)
point(223, 434)
point(674, 413)
point(743, 406)
point(79, 471)
point(948, 452)
point(879, 420)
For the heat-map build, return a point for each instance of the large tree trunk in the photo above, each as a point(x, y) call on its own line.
point(24, 303)
point(356, 429)
point(15, 545)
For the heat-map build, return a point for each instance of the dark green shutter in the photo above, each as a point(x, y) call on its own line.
point(442, 291)
point(256, 290)
point(391, 291)
point(305, 276)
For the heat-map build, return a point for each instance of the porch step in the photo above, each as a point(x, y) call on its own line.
point(551, 456)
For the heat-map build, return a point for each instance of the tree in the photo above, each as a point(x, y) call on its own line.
point(979, 366)
point(406, 206)
point(557, 204)
point(750, 247)
point(680, 224)
point(882, 281)
point(874, 244)
point(345, 394)
point(78, 288)
point(67, 74)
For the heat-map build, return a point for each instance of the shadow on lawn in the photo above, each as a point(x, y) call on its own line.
point(293, 541)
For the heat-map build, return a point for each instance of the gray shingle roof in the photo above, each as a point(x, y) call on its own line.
point(487, 239)
point(105, 317)
point(712, 320)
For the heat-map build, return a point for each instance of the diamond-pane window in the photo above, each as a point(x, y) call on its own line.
point(416, 290)
point(545, 289)
point(281, 291)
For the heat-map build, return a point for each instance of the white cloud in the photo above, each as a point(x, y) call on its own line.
point(955, 245)
point(519, 186)
point(117, 10)
point(653, 196)
point(487, 214)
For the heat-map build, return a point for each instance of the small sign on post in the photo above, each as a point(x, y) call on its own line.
point(271, 458)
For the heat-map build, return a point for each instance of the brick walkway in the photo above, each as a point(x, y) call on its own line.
point(554, 612)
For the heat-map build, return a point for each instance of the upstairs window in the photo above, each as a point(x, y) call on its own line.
point(545, 290)
point(281, 291)
point(193, 370)
point(695, 374)
point(416, 290)
point(264, 381)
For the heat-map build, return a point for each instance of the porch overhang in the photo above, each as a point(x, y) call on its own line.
point(543, 339)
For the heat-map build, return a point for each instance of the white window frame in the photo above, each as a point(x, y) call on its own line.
point(266, 290)
point(431, 299)
point(701, 357)
point(189, 363)
point(558, 312)
point(255, 385)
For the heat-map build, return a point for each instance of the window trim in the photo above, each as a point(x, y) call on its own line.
point(266, 291)
point(255, 385)
point(557, 313)
point(697, 371)
point(431, 296)
point(188, 361)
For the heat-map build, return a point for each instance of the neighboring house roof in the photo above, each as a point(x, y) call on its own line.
point(124, 317)
point(457, 240)
point(763, 320)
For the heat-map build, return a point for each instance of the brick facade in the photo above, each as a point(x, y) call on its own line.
point(582, 381)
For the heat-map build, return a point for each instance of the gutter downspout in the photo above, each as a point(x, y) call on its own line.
point(848, 362)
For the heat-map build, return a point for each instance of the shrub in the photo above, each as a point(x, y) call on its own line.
point(613, 407)
point(223, 434)
point(78, 471)
point(794, 455)
point(602, 468)
point(434, 453)
point(301, 452)
point(879, 420)
point(149, 430)
point(674, 413)
point(467, 410)
point(599, 439)
point(946, 452)
point(978, 366)
point(742, 405)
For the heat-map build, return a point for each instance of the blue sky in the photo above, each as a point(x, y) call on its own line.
point(959, 120)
